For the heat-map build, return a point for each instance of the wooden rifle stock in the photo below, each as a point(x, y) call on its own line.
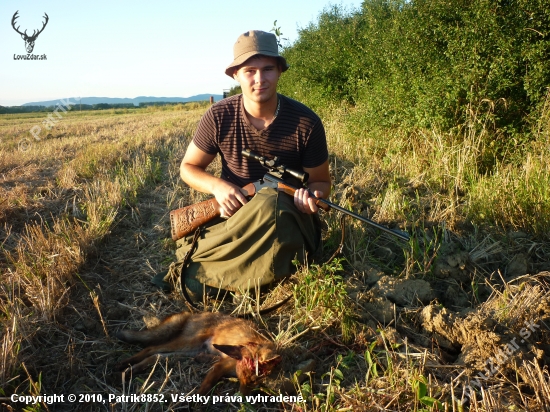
point(186, 220)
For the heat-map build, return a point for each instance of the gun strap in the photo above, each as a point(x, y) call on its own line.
point(184, 265)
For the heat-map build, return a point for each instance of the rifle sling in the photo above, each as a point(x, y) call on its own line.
point(184, 265)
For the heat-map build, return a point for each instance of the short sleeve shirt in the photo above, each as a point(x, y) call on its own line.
point(296, 137)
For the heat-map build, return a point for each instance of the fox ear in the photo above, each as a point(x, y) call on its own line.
point(232, 351)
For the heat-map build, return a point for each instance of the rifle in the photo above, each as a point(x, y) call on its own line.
point(187, 219)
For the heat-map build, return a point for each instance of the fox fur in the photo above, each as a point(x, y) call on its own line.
point(243, 351)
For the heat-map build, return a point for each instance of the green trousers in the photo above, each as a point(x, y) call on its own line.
point(254, 247)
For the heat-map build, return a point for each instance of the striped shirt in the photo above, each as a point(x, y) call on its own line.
point(296, 136)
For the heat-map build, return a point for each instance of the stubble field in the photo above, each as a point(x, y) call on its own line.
point(456, 319)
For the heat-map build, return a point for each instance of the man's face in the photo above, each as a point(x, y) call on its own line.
point(258, 77)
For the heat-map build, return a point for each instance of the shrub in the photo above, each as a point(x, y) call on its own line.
point(426, 63)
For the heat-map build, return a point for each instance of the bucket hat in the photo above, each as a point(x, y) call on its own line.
point(250, 44)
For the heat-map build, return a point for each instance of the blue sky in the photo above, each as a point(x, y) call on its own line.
point(121, 48)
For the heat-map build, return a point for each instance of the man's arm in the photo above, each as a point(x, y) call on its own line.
point(319, 184)
point(193, 172)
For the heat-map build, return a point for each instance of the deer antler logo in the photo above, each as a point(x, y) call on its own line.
point(29, 40)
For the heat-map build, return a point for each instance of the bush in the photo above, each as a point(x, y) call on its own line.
point(427, 63)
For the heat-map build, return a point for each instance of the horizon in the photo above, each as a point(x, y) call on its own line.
point(114, 49)
point(40, 103)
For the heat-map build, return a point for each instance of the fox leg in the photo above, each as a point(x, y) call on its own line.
point(224, 367)
point(186, 346)
point(170, 328)
point(137, 367)
point(143, 359)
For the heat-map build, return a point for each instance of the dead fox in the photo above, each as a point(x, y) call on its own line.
point(243, 351)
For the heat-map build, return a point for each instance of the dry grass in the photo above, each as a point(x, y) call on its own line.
point(84, 226)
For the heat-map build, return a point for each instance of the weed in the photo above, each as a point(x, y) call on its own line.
point(320, 294)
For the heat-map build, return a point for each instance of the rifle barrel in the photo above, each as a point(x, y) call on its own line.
point(400, 234)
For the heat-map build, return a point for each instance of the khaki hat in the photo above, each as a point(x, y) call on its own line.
point(252, 43)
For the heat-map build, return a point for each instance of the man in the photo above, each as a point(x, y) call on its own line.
point(257, 244)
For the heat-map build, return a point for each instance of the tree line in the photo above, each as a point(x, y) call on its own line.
point(428, 63)
point(97, 106)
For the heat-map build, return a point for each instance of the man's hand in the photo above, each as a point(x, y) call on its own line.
point(304, 202)
point(193, 172)
point(229, 196)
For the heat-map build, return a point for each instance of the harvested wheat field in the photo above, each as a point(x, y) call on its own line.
point(455, 319)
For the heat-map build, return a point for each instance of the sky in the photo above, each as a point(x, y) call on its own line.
point(125, 49)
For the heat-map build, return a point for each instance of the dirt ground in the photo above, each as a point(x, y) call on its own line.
point(470, 329)
point(475, 318)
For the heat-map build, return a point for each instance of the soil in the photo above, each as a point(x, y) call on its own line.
point(485, 340)
point(438, 312)
point(481, 311)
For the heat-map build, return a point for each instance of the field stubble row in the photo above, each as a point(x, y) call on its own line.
point(83, 216)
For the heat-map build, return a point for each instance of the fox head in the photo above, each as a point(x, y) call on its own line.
point(254, 362)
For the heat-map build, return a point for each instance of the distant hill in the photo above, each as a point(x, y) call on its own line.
point(136, 100)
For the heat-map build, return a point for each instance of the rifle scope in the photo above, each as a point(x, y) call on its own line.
point(273, 165)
